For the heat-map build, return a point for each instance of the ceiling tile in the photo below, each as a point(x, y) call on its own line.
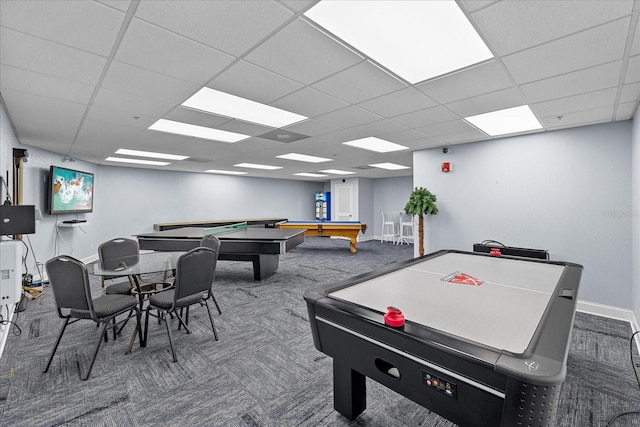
point(303, 53)
point(44, 85)
point(426, 117)
point(589, 80)
point(153, 48)
point(312, 128)
point(625, 111)
point(23, 51)
point(474, 5)
point(633, 70)
point(437, 130)
point(570, 104)
point(19, 100)
point(95, 26)
point(510, 26)
point(635, 45)
point(397, 103)
point(359, 83)
point(249, 81)
point(309, 102)
point(596, 115)
point(212, 22)
point(606, 43)
point(630, 93)
point(409, 137)
point(484, 78)
point(498, 100)
point(348, 117)
point(462, 137)
point(125, 78)
point(119, 117)
point(379, 128)
point(136, 105)
point(121, 5)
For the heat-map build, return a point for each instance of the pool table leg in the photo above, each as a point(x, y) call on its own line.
point(352, 246)
point(349, 391)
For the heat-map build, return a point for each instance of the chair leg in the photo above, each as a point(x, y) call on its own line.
point(55, 347)
point(173, 351)
point(216, 303)
point(213, 326)
point(95, 352)
point(182, 322)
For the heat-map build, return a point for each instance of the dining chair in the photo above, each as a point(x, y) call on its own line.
point(192, 285)
point(212, 242)
point(69, 281)
point(388, 228)
point(113, 254)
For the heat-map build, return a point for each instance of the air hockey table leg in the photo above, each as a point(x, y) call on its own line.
point(349, 391)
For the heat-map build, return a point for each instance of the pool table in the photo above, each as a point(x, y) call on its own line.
point(348, 229)
point(477, 339)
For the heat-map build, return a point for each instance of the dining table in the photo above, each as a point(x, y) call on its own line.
point(135, 266)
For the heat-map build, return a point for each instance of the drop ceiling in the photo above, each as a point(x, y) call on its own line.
point(85, 78)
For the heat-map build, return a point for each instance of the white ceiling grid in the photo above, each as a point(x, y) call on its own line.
point(84, 78)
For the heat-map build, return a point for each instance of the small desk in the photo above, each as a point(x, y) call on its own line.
point(349, 229)
point(261, 246)
point(485, 339)
point(147, 263)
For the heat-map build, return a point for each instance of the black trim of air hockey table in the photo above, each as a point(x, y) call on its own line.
point(494, 376)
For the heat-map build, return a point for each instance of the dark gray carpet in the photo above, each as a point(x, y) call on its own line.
point(264, 371)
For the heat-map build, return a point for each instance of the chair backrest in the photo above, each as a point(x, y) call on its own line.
point(70, 283)
point(117, 251)
point(195, 272)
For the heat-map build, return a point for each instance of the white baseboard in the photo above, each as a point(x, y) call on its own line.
point(609, 311)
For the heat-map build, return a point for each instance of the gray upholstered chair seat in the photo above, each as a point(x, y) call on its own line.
point(123, 288)
point(105, 305)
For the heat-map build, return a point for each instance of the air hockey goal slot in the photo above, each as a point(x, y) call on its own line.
point(440, 384)
point(387, 368)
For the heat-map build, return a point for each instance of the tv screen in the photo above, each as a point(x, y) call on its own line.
point(70, 191)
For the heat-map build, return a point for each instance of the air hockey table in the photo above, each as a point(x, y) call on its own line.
point(477, 339)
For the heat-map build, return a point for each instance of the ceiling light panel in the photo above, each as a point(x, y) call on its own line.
point(310, 175)
point(420, 40)
point(257, 166)
point(389, 166)
point(337, 172)
point(224, 104)
point(226, 172)
point(502, 122)
point(150, 154)
point(303, 158)
point(137, 161)
point(187, 129)
point(372, 143)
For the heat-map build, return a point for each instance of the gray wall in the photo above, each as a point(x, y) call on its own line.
point(635, 211)
point(567, 191)
point(391, 195)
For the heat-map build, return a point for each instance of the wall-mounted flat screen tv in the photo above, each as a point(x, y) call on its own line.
point(70, 191)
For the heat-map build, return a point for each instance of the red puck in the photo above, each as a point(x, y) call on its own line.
point(394, 317)
point(495, 252)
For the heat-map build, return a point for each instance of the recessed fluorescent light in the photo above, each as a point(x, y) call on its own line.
point(303, 158)
point(310, 175)
point(375, 144)
point(256, 166)
point(337, 172)
point(420, 40)
point(226, 172)
point(389, 166)
point(151, 154)
point(137, 161)
point(224, 104)
point(187, 129)
point(510, 120)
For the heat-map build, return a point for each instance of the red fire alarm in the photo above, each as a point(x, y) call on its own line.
point(446, 167)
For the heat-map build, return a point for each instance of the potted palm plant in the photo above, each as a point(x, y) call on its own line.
point(421, 202)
